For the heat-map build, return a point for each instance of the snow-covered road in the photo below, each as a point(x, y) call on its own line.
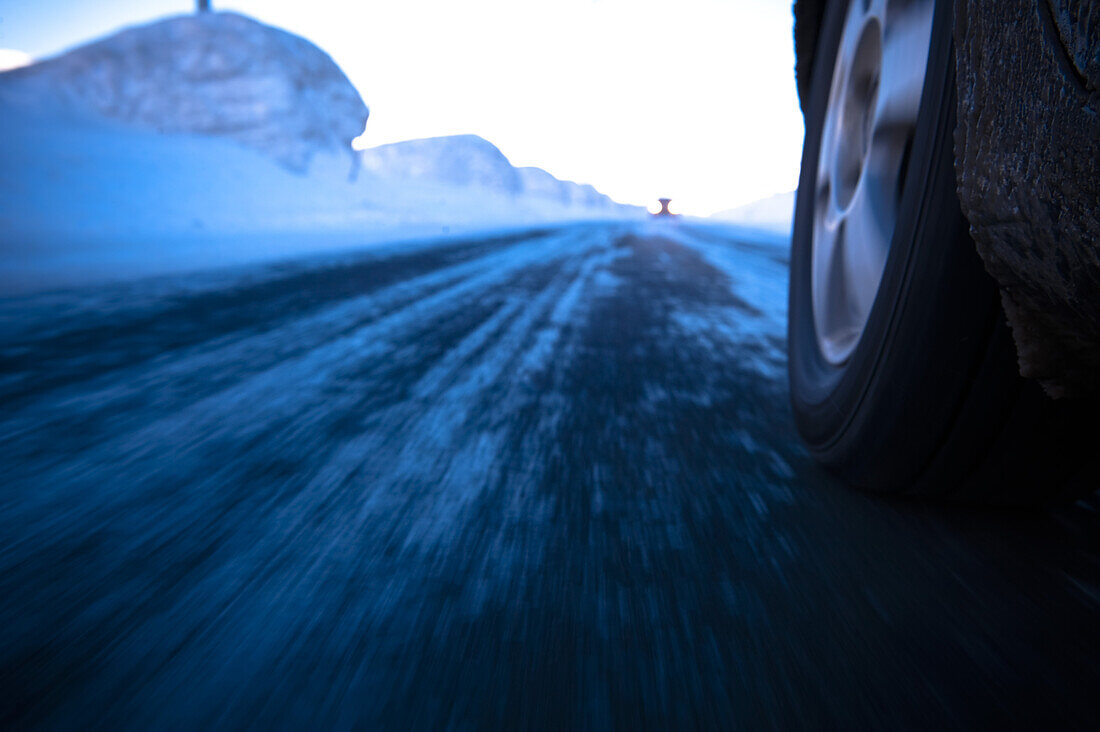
point(542, 478)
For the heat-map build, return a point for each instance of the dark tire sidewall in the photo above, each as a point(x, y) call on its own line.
point(844, 412)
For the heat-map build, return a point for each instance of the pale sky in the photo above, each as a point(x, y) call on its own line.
point(693, 99)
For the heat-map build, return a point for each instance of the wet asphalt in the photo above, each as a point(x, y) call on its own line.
point(545, 479)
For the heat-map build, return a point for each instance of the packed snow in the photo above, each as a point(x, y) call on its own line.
point(13, 59)
point(460, 160)
point(537, 182)
point(774, 213)
point(469, 160)
point(200, 141)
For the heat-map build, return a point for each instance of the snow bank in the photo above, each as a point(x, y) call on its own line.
point(537, 182)
point(218, 74)
point(774, 213)
point(198, 142)
point(13, 59)
point(460, 160)
point(472, 161)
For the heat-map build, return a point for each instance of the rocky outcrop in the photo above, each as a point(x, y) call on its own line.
point(1078, 24)
point(1028, 168)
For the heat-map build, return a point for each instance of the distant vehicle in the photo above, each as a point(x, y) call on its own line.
point(950, 177)
point(664, 207)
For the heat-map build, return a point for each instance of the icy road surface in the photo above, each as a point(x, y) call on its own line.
point(547, 479)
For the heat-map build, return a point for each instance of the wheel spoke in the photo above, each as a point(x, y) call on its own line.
point(878, 80)
point(881, 171)
point(822, 193)
point(906, 36)
point(868, 225)
point(827, 152)
point(833, 309)
point(825, 208)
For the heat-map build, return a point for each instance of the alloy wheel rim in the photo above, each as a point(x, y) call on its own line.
point(874, 100)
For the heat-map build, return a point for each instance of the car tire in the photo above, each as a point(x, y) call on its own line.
point(926, 399)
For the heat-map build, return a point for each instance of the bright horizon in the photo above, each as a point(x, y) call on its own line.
point(696, 103)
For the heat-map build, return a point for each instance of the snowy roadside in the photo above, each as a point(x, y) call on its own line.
point(88, 200)
point(197, 143)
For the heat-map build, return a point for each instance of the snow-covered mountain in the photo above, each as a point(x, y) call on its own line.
point(773, 213)
point(472, 161)
point(218, 74)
